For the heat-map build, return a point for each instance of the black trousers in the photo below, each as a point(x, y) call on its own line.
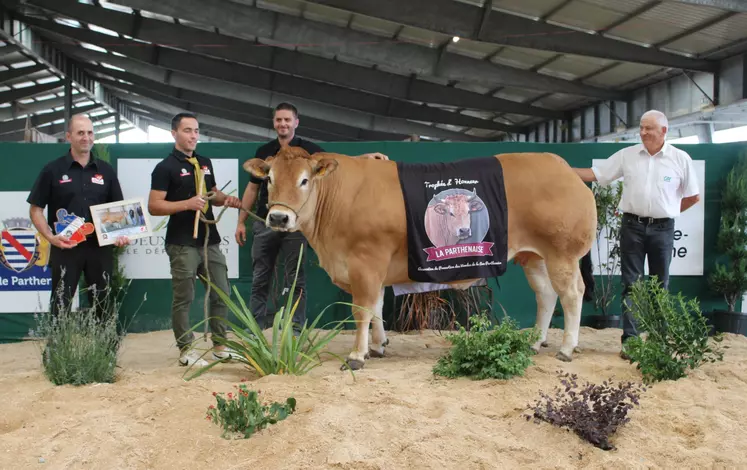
point(267, 245)
point(640, 239)
point(94, 262)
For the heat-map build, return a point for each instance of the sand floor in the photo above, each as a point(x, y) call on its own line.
point(396, 415)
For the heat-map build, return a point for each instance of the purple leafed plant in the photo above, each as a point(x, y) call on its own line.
point(593, 412)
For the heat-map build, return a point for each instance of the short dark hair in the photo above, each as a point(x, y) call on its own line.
point(178, 118)
point(287, 107)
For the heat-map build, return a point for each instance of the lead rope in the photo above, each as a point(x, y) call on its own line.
point(209, 196)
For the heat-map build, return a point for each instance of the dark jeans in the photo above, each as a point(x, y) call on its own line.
point(94, 262)
point(266, 247)
point(639, 239)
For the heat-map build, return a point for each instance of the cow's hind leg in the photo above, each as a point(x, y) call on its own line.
point(378, 335)
point(535, 270)
point(366, 289)
point(565, 274)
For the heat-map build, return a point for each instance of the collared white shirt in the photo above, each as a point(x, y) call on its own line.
point(653, 185)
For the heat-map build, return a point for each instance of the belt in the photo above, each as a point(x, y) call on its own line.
point(646, 220)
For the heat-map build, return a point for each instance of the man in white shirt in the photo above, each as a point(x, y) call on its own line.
point(659, 183)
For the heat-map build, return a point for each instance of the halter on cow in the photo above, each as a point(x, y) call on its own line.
point(352, 212)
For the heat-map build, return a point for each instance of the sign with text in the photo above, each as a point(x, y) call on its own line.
point(687, 255)
point(146, 258)
point(25, 276)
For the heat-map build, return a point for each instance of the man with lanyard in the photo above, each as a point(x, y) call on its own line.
point(659, 183)
point(267, 244)
point(174, 193)
point(68, 186)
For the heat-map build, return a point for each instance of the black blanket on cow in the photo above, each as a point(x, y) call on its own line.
point(457, 219)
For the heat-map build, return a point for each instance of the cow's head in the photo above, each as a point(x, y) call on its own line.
point(291, 177)
point(456, 212)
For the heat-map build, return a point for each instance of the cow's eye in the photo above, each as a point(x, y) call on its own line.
point(304, 181)
point(451, 213)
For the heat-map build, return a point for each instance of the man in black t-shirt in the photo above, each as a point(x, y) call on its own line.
point(267, 244)
point(174, 193)
point(71, 184)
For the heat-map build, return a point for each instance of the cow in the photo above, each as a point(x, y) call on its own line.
point(447, 221)
point(352, 212)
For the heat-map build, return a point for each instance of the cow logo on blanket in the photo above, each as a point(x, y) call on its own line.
point(457, 219)
point(456, 222)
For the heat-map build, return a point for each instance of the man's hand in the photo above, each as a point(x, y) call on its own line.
point(240, 234)
point(62, 243)
point(196, 203)
point(374, 156)
point(232, 201)
point(122, 241)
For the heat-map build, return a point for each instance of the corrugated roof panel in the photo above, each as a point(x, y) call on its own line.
point(718, 35)
point(517, 94)
point(473, 87)
point(521, 57)
point(533, 8)
point(325, 14)
point(623, 73)
point(584, 15)
point(664, 21)
point(476, 50)
point(422, 37)
point(620, 6)
point(556, 101)
point(371, 25)
point(289, 7)
point(573, 66)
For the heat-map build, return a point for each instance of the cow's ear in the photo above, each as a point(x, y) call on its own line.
point(440, 208)
point(475, 206)
point(324, 167)
point(258, 168)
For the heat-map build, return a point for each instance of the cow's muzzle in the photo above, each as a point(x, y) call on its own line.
point(278, 220)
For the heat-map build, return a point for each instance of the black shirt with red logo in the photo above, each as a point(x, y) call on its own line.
point(64, 184)
point(175, 175)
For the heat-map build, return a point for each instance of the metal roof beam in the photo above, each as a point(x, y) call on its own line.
point(329, 39)
point(41, 119)
point(463, 20)
point(221, 78)
point(13, 74)
point(21, 93)
point(739, 6)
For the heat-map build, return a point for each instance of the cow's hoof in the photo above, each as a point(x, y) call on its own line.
point(545, 344)
point(563, 357)
point(385, 343)
point(577, 350)
point(353, 364)
point(375, 353)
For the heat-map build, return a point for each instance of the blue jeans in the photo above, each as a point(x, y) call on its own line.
point(640, 238)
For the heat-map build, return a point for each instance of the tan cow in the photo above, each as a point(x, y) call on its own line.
point(352, 212)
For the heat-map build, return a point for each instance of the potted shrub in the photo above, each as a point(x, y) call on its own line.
point(730, 279)
point(609, 223)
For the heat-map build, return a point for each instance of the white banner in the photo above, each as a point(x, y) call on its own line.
point(687, 255)
point(146, 258)
point(25, 277)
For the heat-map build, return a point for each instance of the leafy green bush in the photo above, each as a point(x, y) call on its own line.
point(243, 414)
point(677, 333)
point(284, 353)
point(485, 352)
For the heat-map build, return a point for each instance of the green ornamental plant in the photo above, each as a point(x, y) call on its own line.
point(242, 414)
point(285, 353)
point(730, 280)
point(676, 333)
point(609, 223)
point(486, 351)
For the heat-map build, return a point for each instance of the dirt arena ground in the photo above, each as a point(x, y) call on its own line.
point(397, 415)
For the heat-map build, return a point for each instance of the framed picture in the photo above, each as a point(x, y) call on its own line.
point(127, 218)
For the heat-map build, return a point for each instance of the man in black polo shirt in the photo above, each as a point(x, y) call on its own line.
point(267, 244)
point(73, 183)
point(174, 194)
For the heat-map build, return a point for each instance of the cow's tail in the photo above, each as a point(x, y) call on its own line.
point(587, 274)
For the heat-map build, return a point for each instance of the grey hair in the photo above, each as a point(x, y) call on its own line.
point(661, 118)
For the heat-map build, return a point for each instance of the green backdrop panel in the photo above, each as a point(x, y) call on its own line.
point(511, 292)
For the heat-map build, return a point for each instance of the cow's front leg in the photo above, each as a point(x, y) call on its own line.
point(366, 288)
